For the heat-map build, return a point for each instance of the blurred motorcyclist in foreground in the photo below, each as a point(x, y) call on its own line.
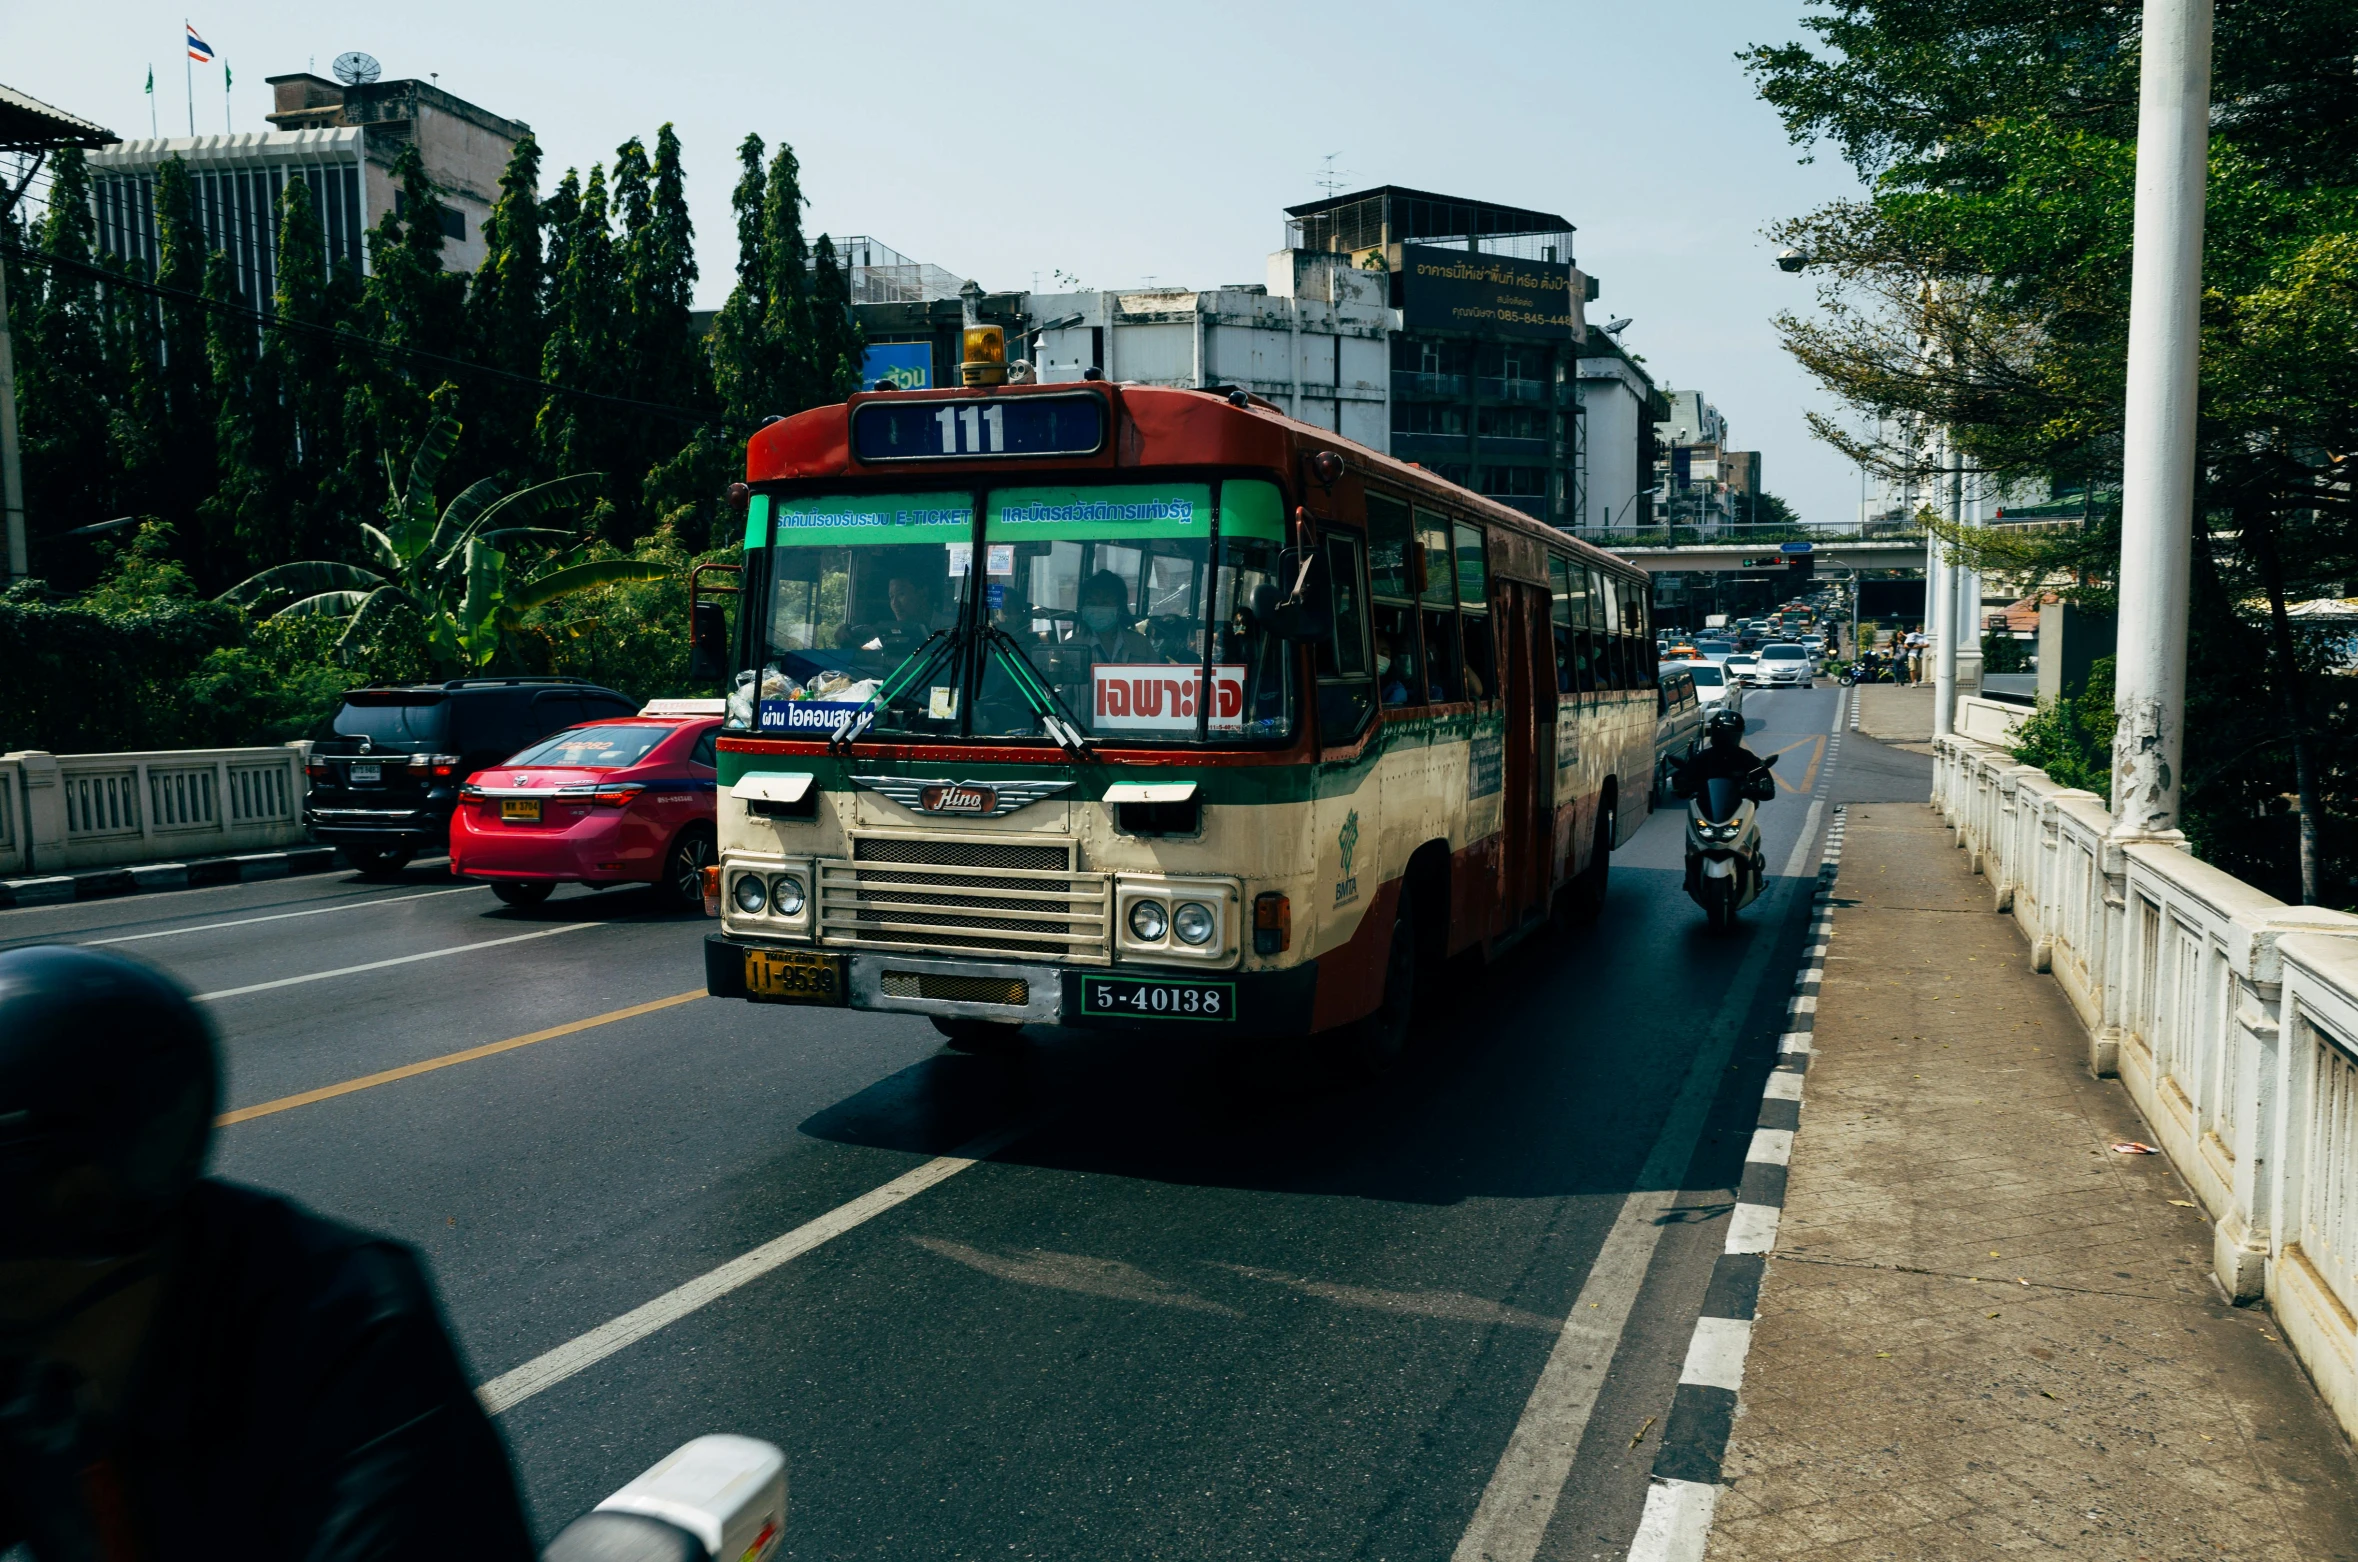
point(191, 1369)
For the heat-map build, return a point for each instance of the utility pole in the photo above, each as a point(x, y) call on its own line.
point(2157, 439)
point(1944, 643)
point(12, 477)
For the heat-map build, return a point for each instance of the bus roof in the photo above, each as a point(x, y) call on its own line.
point(1156, 426)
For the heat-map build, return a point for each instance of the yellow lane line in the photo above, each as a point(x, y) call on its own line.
point(448, 1059)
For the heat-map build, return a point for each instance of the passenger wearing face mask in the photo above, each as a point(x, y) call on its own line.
point(1389, 671)
point(1104, 632)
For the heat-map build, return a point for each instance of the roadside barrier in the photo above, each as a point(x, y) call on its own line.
point(2231, 1017)
point(61, 812)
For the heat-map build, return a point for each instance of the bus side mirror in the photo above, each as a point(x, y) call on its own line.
point(708, 643)
point(1306, 613)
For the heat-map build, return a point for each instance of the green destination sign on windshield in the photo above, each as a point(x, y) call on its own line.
point(837, 519)
point(1247, 509)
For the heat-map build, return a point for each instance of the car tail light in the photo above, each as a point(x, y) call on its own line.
point(1273, 924)
point(712, 906)
point(319, 772)
point(471, 792)
point(436, 764)
point(618, 795)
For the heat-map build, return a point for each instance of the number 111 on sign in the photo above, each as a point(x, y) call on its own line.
point(974, 421)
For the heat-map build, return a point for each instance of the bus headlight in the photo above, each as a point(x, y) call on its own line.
point(749, 894)
point(1194, 923)
point(786, 895)
point(1147, 921)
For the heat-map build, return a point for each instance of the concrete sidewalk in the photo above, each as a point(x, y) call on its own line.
point(1900, 716)
point(1983, 1330)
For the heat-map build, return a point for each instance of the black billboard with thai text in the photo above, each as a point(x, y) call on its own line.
point(1488, 295)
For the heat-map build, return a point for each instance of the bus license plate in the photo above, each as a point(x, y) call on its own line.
point(520, 810)
point(1123, 997)
point(793, 976)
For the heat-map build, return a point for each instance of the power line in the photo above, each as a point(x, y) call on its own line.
point(271, 322)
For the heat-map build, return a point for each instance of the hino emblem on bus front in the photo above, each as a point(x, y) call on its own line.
point(967, 799)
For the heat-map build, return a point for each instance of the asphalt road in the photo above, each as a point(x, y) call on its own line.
point(1187, 1309)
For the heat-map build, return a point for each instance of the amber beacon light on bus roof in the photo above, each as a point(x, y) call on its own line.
point(985, 356)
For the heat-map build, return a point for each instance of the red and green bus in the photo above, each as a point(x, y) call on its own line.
point(1153, 709)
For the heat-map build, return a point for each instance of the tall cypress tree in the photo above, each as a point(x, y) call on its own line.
point(663, 288)
point(409, 300)
point(245, 515)
point(739, 362)
point(303, 371)
point(69, 387)
point(506, 319)
point(837, 347)
point(786, 323)
point(176, 401)
point(585, 346)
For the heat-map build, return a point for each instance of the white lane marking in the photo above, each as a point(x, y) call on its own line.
point(1793, 1041)
point(1782, 1086)
point(1807, 1003)
point(1798, 863)
point(1841, 698)
point(1521, 1498)
point(379, 965)
point(1676, 1523)
point(1752, 1228)
point(512, 1388)
point(281, 916)
point(1771, 1147)
point(1715, 1356)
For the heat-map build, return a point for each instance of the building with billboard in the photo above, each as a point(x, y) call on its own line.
point(342, 140)
point(1491, 321)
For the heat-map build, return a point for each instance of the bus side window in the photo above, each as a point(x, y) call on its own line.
point(1346, 694)
point(1442, 683)
point(1432, 535)
point(1605, 618)
point(1560, 619)
point(1637, 640)
point(1473, 600)
point(1391, 575)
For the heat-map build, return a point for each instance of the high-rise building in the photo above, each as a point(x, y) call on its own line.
point(339, 138)
point(1491, 322)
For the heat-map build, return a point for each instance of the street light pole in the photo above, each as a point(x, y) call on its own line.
point(2158, 429)
point(1947, 583)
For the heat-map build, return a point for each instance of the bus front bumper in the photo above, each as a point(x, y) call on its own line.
point(1256, 1003)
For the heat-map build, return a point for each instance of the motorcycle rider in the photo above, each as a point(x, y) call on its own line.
point(1723, 754)
point(189, 1368)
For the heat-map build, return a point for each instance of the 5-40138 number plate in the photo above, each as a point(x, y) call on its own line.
point(1152, 998)
point(793, 976)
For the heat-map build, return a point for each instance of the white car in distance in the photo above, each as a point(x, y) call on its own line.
point(1783, 664)
point(1743, 669)
point(1712, 684)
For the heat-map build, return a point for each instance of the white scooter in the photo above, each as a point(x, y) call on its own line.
point(1726, 868)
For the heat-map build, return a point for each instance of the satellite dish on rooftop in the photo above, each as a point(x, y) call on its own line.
point(356, 69)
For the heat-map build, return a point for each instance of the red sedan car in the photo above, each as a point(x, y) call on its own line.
point(629, 800)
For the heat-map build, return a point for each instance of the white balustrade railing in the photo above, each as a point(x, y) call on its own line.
point(2231, 1017)
point(63, 812)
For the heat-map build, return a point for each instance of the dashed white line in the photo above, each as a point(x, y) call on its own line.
point(379, 965)
point(1771, 1147)
point(1715, 1356)
point(281, 916)
point(1752, 1228)
point(1676, 1523)
point(553, 1367)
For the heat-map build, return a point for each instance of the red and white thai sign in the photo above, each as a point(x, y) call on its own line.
point(1163, 697)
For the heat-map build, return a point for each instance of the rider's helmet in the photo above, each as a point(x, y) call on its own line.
point(109, 1078)
point(1725, 728)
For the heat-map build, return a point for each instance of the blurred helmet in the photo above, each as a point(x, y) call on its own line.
point(1724, 727)
point(109, 1079)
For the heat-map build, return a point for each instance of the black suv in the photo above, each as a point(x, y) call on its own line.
point(386, 775)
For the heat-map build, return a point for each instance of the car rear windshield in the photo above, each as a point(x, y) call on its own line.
point(595, 748)
point(418, 727)
point(1707, 675)
point(1783, 653)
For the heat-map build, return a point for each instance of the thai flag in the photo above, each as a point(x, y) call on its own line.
point(198, 49)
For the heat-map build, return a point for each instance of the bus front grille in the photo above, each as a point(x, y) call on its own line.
point(997, 897)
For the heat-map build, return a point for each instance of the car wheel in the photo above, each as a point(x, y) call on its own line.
point(682, 884)
point(372, 862)
point(522, 892)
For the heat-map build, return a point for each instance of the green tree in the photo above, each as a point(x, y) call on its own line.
point(742, 371)
point(506, 316)
point(409, 301)
point(68, 384)
point(302, 363)
point(585, 346)
point(837, 348)
point(446, 566)
point(246, 511)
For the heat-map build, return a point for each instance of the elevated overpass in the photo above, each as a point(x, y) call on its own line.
point(1834, 554)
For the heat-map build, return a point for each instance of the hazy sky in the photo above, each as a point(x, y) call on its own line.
point(1118, 144)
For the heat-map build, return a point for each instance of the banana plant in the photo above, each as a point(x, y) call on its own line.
point(448, 566)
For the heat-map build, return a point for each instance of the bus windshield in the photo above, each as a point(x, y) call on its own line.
point(1090, 605)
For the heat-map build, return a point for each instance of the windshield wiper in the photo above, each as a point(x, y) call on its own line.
point(1055, 718)
point(894, 684)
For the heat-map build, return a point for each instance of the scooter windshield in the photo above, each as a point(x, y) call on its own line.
point(1720, 798)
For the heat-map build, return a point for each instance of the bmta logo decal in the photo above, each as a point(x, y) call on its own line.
point(1347, 841)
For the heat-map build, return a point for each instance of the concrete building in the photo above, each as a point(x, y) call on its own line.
point(1691, 483)
point(342, 140)
point(1490, 324)
point(1619, 409)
